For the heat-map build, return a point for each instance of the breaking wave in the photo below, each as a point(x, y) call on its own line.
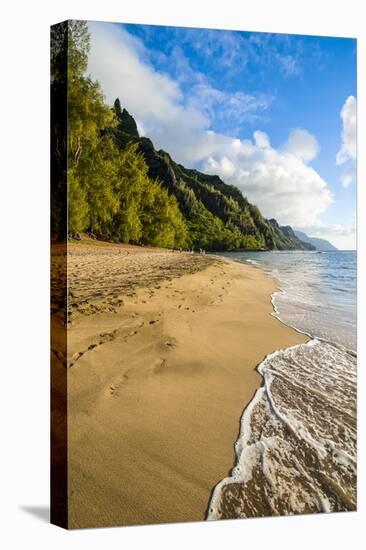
point(296, 450)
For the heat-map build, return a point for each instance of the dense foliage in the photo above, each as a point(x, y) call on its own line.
point(109, 191)
point(218, 216)
point(121, 188)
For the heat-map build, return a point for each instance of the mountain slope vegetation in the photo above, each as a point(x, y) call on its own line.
point(320, 244)
point(218, 216)
point(121, 188)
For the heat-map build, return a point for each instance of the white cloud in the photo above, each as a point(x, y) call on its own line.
point(140, 128)
point(335, 229)
point(228, 107)
point(302, 144)
point(348, 151)
point(343, 236)
point(349, 130)
point(261, 140)
point(280, 181)
point(232, 51)
point(224, 166)
point(289, 64)
point(349, 176)
point(116, 59)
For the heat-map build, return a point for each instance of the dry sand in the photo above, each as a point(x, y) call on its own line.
point(162, 354)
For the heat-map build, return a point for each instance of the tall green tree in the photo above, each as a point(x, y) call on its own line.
point(121, 188)
point(91, 152)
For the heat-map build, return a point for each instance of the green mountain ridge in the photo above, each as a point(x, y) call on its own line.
point(111, 183)
point(320, 244)
point(218, 216)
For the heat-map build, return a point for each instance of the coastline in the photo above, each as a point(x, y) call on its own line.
point(158, 378)
point(301, 420)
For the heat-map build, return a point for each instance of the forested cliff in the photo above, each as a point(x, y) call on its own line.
point(121, 188)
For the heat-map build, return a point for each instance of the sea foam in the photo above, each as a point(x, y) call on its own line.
point(296, 451)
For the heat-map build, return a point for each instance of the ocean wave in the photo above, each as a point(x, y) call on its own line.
point(296, 451)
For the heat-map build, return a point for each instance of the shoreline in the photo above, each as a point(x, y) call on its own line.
point(158, 382)
point(278, 290)
point(236, 496)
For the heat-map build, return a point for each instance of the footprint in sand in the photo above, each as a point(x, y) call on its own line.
point(159, 365)
point(116, 385)
point(171, 342)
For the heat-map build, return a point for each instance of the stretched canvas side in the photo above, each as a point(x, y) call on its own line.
point(59, 485)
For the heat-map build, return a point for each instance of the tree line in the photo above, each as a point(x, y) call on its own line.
point(119, 187)
point(109, 192)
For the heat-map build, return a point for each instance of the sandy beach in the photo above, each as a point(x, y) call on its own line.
point(162, 354)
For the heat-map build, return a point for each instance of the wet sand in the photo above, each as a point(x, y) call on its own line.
point(162, 354)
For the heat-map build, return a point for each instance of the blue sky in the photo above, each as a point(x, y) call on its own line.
point(274, 114)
